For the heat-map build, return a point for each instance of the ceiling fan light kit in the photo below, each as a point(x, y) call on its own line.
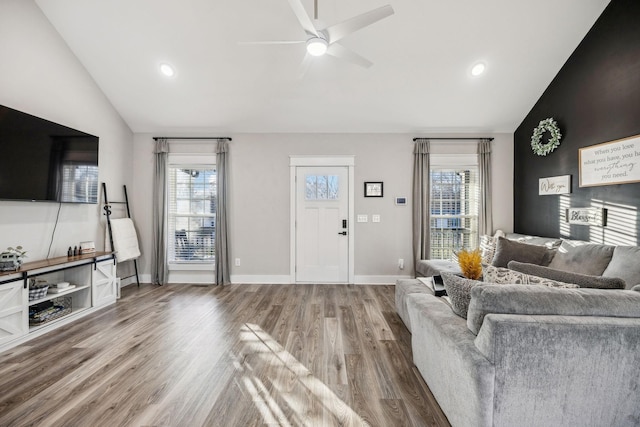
point(317, 46)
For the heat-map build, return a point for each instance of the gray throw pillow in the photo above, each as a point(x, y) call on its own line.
point(625, 264)
point(503, 276)
point(582, 280)
point(459, 292)
point(509, 250)
point(576, 257)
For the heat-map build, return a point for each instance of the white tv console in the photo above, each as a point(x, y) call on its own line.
point(94, 277)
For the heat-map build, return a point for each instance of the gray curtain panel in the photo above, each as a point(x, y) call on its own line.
point(222, 243)
point(159, 266)
point(485, 217)
point(421, 192)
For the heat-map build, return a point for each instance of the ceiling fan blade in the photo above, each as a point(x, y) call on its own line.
point(304, 65)
point(274, 42)
point(303, 17)
point(341, 52)
point(338, 31)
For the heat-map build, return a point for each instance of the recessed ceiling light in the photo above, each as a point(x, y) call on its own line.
point(167, 70)
point(477, 69)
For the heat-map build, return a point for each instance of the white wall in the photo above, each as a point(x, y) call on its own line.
point(259, 204)
point(41, 76)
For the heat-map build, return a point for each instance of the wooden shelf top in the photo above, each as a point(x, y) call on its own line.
point(53, 262)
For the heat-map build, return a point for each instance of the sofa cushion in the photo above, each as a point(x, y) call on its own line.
point(625, 263)
point(576, 257)
point(499, 275)
point(509, 250)
point(549, 242)
point(582, 280)
point(541, 300)
point(459, 292)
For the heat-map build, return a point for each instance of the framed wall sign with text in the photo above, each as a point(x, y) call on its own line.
point(615, 162)
point(373, 189)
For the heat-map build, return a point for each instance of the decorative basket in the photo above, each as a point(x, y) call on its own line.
point(50, 310)
point(38, 291)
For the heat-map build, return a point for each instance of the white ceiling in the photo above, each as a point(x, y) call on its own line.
point(419, 83)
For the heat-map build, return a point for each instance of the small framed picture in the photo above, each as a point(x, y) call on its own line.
point(373, 189)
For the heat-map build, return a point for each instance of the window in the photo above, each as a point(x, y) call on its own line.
point(321, 187)
point(454, 210)
point(192, 213)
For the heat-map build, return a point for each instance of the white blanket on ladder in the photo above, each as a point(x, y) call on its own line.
point(125, 239)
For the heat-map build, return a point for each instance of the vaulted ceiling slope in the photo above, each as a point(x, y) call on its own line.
point(420, 80)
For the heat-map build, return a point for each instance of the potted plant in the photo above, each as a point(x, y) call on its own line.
point(11, 259)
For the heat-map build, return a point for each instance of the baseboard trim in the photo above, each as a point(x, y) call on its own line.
point(253, 279)
point(378, 280)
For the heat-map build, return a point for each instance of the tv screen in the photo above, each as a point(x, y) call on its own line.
point(44, 161)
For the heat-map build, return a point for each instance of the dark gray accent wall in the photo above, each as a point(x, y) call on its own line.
point(595, 98)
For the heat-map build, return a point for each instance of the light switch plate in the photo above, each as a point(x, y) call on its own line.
point(363, 218)
point(375, 218)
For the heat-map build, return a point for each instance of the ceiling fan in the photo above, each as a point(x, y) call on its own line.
point(325, 41)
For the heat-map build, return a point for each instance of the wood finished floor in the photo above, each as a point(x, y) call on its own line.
point(239, 355)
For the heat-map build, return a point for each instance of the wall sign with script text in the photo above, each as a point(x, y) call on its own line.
point(554, 185)
point(615, 162)
point(587, 216)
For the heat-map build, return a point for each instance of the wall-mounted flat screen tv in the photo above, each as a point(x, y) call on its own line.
point(44, 161)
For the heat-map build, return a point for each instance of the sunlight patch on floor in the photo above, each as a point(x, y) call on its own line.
point(283, 389)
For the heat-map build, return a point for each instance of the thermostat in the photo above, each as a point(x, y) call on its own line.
point(401, 201)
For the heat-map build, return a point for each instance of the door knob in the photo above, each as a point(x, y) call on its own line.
point(344, 233)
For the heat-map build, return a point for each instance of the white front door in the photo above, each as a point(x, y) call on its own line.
point(322, 228)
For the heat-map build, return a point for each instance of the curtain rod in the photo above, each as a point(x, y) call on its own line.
point(445, 139)
point(193, 137)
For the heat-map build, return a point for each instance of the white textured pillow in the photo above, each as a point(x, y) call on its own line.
point(487, 248)
point(491, 274)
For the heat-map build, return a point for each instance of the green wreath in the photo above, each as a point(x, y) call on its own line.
point(547, 125)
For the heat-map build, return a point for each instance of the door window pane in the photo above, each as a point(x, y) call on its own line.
point(321, 187)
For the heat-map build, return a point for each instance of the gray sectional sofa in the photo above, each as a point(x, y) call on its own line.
point(573, 257)
point(535, 355)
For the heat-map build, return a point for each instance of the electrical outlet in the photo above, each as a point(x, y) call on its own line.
point(375, 218)
point(237, 262)
point(401, 264)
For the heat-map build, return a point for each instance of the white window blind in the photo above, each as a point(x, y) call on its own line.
point(79, 183)
point(192, 213)
point(454, 205)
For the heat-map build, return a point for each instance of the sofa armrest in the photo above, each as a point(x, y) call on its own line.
point(567, 369)
point(459, 376)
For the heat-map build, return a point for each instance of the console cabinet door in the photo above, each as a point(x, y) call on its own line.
point(104, 283)
point(14, 311)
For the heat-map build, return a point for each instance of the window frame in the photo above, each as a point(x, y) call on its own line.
point(186, 161)
point(453, 162)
